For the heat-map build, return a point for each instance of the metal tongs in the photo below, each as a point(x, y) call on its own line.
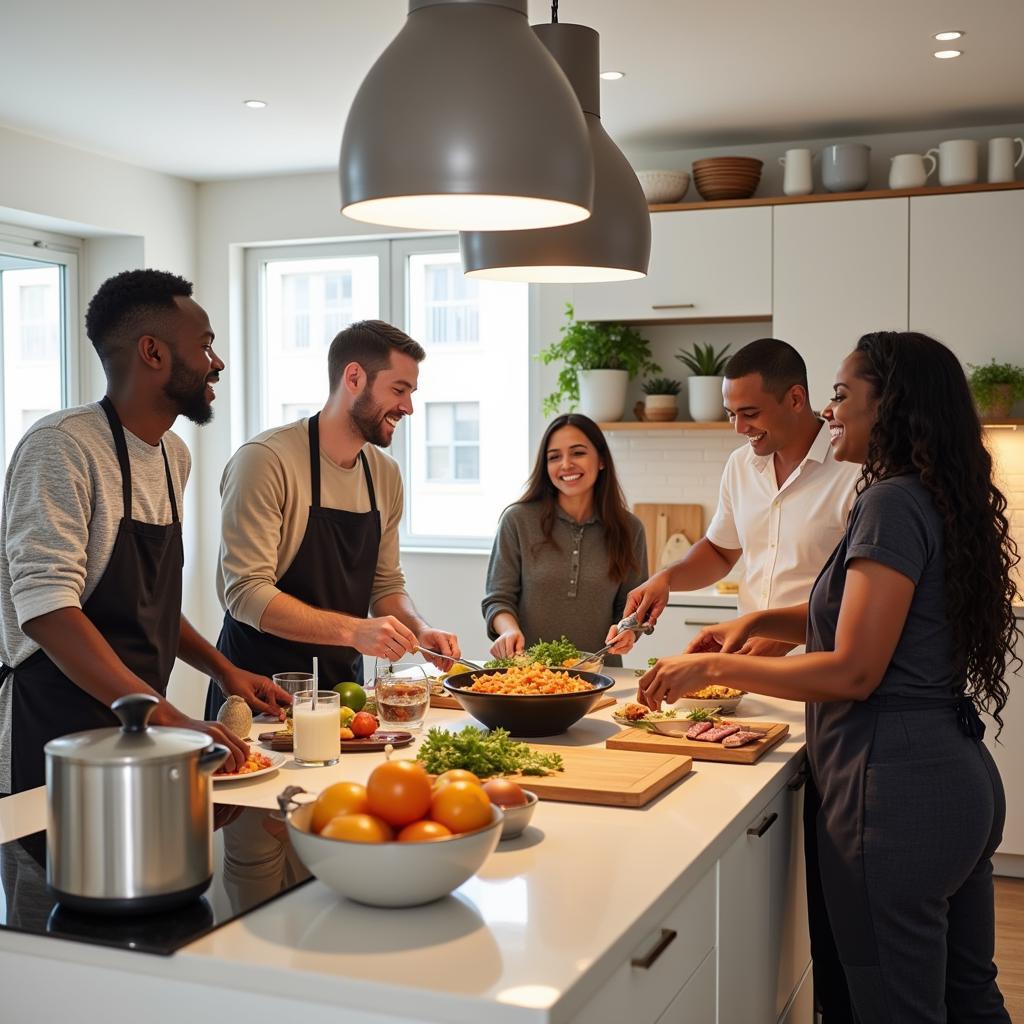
point(471, 665)
point(627, 625)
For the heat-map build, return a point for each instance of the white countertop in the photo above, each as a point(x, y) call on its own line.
point(527, 940)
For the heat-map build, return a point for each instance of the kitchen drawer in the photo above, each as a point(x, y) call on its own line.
point(641, 994)
point(697, 1003)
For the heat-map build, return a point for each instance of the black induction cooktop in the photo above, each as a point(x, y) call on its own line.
point(253, 863)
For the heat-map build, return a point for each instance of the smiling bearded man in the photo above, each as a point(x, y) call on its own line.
point(310, 516)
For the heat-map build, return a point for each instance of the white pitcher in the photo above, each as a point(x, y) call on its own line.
point(1001, 160)
point(958, 162)
point(907, 170)
point(797, 179)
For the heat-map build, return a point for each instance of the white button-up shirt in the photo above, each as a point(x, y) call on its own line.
point(786, 533)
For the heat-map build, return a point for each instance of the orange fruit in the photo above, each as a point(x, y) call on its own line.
point(340, 798)
point(455, 775)
point(358, 828)
point(421, 831)
point(399, 792)
point(461, 806)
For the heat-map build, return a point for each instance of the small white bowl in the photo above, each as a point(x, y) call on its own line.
point(725, 707)
point(393, 874)
point(517, 818)
point(664, 186)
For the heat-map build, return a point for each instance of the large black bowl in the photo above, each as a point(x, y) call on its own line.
point(542, 715)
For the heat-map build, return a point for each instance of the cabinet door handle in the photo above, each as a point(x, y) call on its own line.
point(764, 826)
point(676, 305)
point(699, 622)
point(646, 962)
point(798, 780)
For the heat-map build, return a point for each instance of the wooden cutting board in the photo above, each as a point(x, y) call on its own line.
point(662, 521)
point(615, 778)
point(448, 703)
point(652, 742)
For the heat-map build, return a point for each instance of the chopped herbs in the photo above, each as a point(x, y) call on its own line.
point(549, 653)
point(484, 754)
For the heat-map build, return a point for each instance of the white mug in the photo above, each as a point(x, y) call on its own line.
point(958, 162)
point(1000, 158)
point(797, 180)
point(907, 170)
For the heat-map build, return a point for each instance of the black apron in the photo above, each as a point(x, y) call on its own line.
point(333, 569)
point(136, 606)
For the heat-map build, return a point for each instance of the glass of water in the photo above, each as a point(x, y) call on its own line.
point(402, 693)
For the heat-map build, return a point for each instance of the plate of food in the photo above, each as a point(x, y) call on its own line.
point(711, 698)
point(256, 764)
point(636, 716)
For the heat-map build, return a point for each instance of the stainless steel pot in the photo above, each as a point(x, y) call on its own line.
point(130, 813)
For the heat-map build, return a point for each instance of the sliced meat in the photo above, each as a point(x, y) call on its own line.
point(718, 733)
point(697, 728)
point(741, 738)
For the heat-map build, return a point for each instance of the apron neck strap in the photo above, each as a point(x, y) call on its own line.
point(121, 447)
point(314, 466)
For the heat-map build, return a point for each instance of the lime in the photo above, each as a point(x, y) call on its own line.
point(352, 695)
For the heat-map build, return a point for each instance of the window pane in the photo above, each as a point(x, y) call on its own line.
point(439, 422)
point(446, 302)
point(467, 421)
point(306, 302)
point(438, 463)
point(467, 462)
point(31, 336)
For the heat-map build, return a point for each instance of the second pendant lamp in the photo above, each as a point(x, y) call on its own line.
point(614, 244)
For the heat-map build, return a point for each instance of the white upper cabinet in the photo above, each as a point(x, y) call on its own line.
point(967, 273)
point(704, 263)
point(840, 272)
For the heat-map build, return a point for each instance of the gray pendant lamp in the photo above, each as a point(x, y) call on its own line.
point(614, 244)
point(466, 122)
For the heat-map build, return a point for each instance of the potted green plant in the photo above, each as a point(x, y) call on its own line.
point(660, 403)
point(599, 360)
point(996, 386)
point(704, 386)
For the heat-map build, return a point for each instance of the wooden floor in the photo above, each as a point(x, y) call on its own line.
point(1010, 943)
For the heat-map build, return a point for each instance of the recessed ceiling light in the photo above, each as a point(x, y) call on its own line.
point(255, 104)
point(613, 76)
point(947, 54)
point(945, 37)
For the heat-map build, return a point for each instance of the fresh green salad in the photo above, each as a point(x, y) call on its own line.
point(550, 653)
point(484, 754)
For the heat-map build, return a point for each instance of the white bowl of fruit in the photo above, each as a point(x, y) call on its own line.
point(401, 840)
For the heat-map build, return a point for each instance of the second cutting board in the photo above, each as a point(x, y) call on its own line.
point(652, 742)
point(616, 778)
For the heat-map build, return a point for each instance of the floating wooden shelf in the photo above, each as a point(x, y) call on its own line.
point(837, 197)
point(1007, 424)
point(672, 425)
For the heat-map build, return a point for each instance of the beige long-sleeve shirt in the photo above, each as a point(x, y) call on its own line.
point(265, 498)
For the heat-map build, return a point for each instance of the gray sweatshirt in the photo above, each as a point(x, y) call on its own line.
point(560, 589)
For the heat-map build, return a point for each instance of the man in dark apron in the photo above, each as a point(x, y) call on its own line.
point(91, 560)
point(310, 526)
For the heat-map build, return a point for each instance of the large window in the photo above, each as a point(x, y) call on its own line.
point(35, 296)
point(464, 454)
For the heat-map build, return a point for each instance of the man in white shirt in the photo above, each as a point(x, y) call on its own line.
point(783, 499)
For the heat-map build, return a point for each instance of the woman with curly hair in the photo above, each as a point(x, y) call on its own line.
point(909, 629)
point(568, 552)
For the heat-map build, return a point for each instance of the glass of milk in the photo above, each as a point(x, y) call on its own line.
point(316, 730)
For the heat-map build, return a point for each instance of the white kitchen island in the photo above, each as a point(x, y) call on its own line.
point(547, 932)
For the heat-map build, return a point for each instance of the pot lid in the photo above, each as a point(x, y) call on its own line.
point(134, 742)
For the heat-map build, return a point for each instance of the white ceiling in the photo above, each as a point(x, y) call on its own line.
point(161, 85)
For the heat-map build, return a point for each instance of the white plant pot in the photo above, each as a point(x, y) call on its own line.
point(603, 394)
point(661, 408)
point(706, 399)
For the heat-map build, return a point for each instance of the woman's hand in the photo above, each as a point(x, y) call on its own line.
point(725, 637)
point(509, 644)
point(671, 677)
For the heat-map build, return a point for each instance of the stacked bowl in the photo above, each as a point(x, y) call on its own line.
point(727, 177)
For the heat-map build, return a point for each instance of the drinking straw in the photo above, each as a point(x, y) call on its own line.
point(316, 679)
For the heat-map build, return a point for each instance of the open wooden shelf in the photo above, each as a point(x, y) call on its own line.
point(671, 425)
point(836, 197)
point(1005, 423)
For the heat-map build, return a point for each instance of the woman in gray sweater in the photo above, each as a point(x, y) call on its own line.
point(568, 551)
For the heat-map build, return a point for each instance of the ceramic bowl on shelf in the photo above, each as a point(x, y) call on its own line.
point(663, 186)
point(727, 177)
point(392, 874)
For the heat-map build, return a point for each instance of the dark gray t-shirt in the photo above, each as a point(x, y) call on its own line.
point(895, 522)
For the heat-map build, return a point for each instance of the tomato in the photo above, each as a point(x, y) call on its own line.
point(453, 775)
point(341, 798)
point(399, 792)
point(422, 831)
point(358, 828)
point(503, 793)
point(363, 724)
point(461, 806)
